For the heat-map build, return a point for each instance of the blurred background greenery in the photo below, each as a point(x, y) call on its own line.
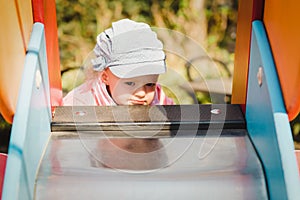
point(211, 24)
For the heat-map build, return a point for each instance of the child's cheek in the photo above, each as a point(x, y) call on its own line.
point(121, 99)
point(150, 97)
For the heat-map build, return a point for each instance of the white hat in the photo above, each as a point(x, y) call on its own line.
point(129, 49)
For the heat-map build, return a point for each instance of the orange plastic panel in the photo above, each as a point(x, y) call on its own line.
point(281, 19)
point(53, 52)
point(44, 11)
point(16, 28)
point(247, 12)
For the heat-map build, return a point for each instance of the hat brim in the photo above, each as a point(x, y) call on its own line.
point(138, 69)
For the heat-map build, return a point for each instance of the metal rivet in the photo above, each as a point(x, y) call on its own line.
point(215, 111)
point(260, 76)
point(80, 113)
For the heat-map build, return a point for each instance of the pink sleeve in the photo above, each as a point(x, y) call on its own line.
point(161, 98)
point(80, 96)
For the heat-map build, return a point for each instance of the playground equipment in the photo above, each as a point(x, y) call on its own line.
point(239, 151)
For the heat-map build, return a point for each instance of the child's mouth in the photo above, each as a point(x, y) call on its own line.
point(138, 102)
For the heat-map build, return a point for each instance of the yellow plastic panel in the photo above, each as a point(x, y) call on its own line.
point(281, 19)
point(13, 39)
point(26, 18)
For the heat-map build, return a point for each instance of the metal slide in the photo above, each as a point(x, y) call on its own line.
point(162, 152)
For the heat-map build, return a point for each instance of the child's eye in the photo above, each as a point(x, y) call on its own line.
point(150, 84)
point(130, 83)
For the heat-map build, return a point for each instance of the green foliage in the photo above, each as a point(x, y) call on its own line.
point(5, 129)
point(295, 125)
point(222, 18)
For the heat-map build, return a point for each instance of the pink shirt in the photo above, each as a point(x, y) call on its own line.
point(94, 93)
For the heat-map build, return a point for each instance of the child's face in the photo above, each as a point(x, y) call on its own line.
point(130, 91)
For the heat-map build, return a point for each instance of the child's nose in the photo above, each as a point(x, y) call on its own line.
point(140, 92)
